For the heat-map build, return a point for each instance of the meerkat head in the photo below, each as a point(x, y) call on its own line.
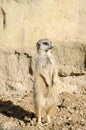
point(44, 45)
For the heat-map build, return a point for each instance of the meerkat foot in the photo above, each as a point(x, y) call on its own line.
point(48, 119)
point(39, 124)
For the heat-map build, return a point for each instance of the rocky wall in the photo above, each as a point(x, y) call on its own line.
point(23, 22)
point(17, 67)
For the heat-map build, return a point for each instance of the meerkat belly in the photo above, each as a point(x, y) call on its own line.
point(46, 88)
point(40, 87)
point(49, 69)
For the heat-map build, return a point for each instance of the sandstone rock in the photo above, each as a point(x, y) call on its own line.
point(15, 72)
point(22, 23)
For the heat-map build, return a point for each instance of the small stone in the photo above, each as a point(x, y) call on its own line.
point(82, 122)
point(79, 129)
point(81, 113)
point(64, 128)
point(21, 123)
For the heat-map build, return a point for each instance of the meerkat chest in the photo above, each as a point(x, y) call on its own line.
point(47, 63)
point(48, 66)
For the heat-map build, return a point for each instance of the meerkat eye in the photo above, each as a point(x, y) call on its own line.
point(45, 43)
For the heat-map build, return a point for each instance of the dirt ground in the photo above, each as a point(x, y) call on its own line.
point(18, 113)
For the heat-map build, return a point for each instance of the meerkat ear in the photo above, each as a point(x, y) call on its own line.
point(38, 46)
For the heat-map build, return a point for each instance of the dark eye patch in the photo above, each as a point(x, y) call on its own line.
point(45, 43)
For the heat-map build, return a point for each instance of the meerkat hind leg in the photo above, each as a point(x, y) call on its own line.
point(39, 123)
point(49, 114)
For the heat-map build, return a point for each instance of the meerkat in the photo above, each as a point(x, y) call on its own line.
point(45, 81)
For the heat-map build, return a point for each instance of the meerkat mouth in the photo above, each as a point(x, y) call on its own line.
point(51, 47)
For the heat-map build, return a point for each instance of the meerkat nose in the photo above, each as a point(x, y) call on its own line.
point(51, 47)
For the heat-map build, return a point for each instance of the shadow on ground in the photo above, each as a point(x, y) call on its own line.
point(8, 109)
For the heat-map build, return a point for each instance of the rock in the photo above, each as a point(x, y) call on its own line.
point(15, 72)
point(28, 21)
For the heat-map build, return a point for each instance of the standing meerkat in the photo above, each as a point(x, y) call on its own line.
point(45, 81)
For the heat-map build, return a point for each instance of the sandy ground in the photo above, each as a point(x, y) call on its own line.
point(18, 114)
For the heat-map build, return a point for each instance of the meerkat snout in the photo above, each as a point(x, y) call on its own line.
point(44, 45)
